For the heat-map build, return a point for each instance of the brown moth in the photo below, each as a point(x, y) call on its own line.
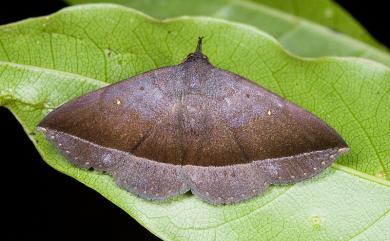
point(193, 127)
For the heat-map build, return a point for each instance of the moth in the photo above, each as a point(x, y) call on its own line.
point(194, 127)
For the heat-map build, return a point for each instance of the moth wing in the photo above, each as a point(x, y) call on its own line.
point(101, 129)
point(288, 142)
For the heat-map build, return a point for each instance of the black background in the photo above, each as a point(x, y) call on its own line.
point(39, 203)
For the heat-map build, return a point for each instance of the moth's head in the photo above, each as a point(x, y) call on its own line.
point(197, 55)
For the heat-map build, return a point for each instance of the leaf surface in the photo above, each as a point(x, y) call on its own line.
point(47, 61)
point(304, 27)
point(326, 13)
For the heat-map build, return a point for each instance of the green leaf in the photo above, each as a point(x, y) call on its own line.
point(326, 13)
point(45, 62)
point(304, 27)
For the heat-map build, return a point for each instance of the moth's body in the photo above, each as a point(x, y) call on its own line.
point(193, 126)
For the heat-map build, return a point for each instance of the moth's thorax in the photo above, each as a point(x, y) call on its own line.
point(196, 73)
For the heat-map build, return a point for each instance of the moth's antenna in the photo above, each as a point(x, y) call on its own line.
point(197, 55)
point(199, 46)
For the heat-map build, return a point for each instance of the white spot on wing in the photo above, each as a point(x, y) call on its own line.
point(107, 159)
point(273, 168)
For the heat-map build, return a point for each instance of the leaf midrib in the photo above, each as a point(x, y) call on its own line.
point(56, 71)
